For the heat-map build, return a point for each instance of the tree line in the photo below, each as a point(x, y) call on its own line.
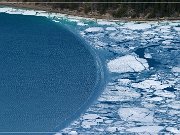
point(119, 10)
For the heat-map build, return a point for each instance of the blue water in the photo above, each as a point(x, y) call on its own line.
point(47, 74)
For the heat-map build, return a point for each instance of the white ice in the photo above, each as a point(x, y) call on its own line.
point(136, 114)
point(120, 94)
point(173, 130)
point(127, 63)
point(146, 129)
point(176, 69)
point(94, 29)
point(151, 83)
point(134, 26)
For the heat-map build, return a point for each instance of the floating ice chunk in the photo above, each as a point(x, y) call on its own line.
point(73, 133)
point(90, 120)
point(136, 114)
point(177, 29)
point(88, 124)
point(134, 26)
point(147, 55)
point(90, 116)
point(43, 14)
point(165, 94)
point(81, 24)
point(55, 20)
point(173, 130)
point(155, 99)
point(119, 37)
point(119, 94)
point(149, 33)
point(176, 69)
point(4, 9)
point(94, 29)
point(167, 42)
point(111, 28)
point(100, 44)
point(58, 134)
point(147, 84)
point(127, 63)
point(111, 129)
point(100, 22)
point(146, 129)
point(29, 12)
point(175, 105)
point(73, 20)
point(23, 11)
point(124, 81)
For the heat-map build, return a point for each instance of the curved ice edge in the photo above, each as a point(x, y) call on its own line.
point(101, 82)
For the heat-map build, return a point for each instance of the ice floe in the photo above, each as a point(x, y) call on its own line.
point(110, 28)
point(141, 26)
point(94, 30)
point(101, 22)
point(111, 129)
point(173, 130)
point(136, 114)
point(145, 129)
point(148, 55)
point(73, 133)
point(119, 93)
point(150, 83)
point(176, 69)
point(177, 28)
point(165, 94)
point(175, 105)
point(127, 63)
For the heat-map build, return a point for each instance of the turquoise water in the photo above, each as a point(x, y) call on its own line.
point(47, 74)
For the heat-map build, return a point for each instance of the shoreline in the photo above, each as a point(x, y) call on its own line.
point(75, 13)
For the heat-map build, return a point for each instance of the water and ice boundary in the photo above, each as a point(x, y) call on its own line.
point(142, 58)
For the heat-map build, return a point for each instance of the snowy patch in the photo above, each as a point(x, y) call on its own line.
point(127, 63)
point(136, 114)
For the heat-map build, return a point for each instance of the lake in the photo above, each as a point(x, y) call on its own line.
point(48, 75)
